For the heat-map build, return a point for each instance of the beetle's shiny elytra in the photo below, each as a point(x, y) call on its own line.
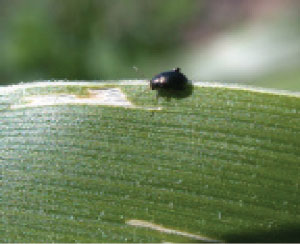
point(169, 80)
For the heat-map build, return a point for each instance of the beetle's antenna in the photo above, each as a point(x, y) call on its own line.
point(139, 72)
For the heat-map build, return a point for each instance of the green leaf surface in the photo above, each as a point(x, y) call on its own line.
point(221, 163)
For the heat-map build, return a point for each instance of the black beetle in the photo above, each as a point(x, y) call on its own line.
point(171, 84)
point(169, 80)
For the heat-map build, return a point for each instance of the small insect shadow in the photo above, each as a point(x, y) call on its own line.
point(177, 94)
point(284, 234)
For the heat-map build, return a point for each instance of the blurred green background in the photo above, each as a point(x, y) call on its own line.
point(251, 41)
